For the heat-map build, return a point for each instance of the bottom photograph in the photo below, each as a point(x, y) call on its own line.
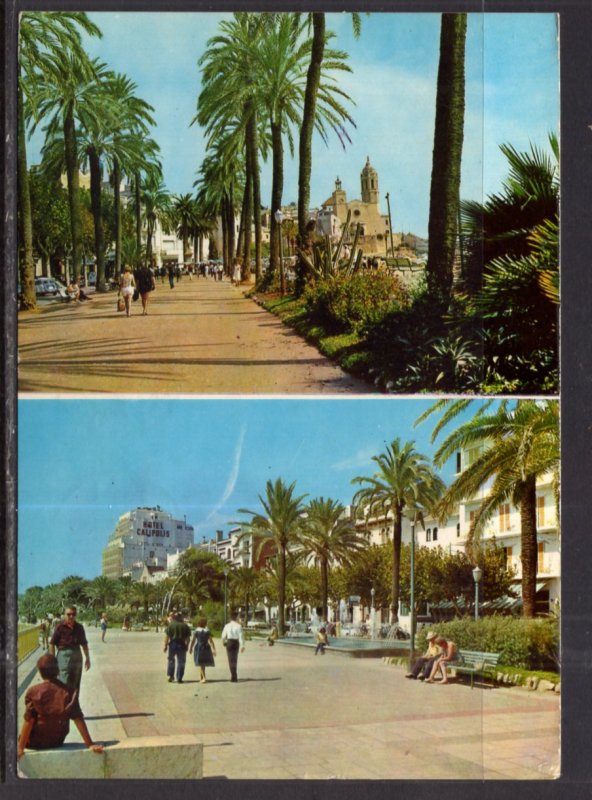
point(280, 588)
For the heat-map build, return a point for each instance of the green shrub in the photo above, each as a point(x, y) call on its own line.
point(522, 643)
point(356, 302)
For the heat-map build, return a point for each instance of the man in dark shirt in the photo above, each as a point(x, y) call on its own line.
point(49, 707)
point(68, 638)
point(176, 640)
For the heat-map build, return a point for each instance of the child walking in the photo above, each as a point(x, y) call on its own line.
point(322, 641)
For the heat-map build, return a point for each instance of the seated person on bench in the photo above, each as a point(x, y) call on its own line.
point(449, 653)
point(425, 663)
point(49, 707)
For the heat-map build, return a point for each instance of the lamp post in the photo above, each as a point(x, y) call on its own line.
point(226, 571)
point(279, 218)
point(373, 612)
point(388, 203)
point(477, 573)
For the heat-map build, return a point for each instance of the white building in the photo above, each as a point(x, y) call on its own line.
point(144, 536)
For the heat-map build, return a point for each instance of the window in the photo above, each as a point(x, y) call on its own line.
point(508, 557)
point(504, 517)
point(435, 535)
point(458, 530)
point(540, 512)
point(458, 462)
point(472, 454)
point(541, 557)
point(372, 183)
point(429, 535)
point(357, 212)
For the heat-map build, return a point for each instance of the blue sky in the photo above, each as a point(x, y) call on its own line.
point(512, 95)
point(82, 463)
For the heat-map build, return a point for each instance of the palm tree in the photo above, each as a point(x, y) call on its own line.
point(185, 218)
point(520, 442)
point(157, 207)
point(101, 592)
point(69, 94)
point(42, 37)
point(280, 58)
point(446, 165)
point(245, 582)
point(281, 524)
point(405, 483)
point(228, 99)
point(513, 268)
point(330, 537)
point(313, 81)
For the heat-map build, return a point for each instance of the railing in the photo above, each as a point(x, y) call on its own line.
point(28, 642)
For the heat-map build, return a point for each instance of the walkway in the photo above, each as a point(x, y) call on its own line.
point(201, 337)
point(294, 715)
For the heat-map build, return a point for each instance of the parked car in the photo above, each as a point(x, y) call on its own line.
point(51, 289)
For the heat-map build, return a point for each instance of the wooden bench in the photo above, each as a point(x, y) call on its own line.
point(473, 662)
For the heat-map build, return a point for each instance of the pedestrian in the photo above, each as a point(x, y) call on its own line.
point(44, 633)
point(233, 639)
point(69, 638)
point(273, 636)
point(176, 640)
point(236, 272)
point(171, 274)
point(322, 641)
point(425, 663)
point(220, 271)
point(49, 707)
point(203, 648)
point(103, 626)
point(447, 656)
point(145, 284)
point(126, 288)
point(178, 272)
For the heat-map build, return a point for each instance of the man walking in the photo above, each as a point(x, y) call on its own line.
point(176, 640)
point(233, 638)
point(69, 638)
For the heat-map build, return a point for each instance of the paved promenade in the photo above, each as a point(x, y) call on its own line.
point(201, 337)
point(293, 715)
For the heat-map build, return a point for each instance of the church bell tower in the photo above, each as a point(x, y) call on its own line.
point(369, 180)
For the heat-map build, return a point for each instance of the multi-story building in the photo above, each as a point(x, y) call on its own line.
point(144, 536)
point(503, 526)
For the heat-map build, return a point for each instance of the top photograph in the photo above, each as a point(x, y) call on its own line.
point(288, 203)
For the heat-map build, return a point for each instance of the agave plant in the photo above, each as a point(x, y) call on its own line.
point(326, 262)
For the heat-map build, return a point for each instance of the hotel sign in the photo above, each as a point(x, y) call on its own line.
point(152, 528)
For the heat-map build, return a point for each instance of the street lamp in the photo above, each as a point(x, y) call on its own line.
point(226, 571)
point(477, 574)
point(279, 218)
point(373, 612)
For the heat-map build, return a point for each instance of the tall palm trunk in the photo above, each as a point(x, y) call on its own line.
point(150, 222)
point(325, 587)
point(71, 156)
point(95, 200)
point(446, 164)
point(277, 190)
point(117, 213)
point(313, 80)
point(282, 590)
point(253, 167)
point(27, 267)
point(138, 199)
point(226, 252)
point(248, 221)
point(528, 545)
point(230, 223)
point(396, 574)
point(240, 245)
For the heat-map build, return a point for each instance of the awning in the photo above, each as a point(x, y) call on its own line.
point(541, 586)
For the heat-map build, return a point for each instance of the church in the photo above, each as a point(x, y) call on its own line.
point(375, 235)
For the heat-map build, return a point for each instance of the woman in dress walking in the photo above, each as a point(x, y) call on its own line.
point(203, 648)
